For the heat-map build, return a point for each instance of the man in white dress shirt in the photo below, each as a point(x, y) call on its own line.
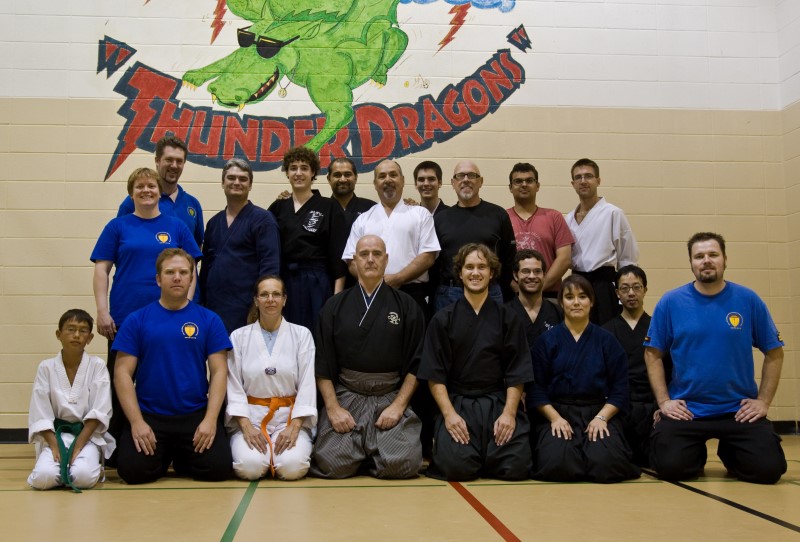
point(604, 241)
point(407, 230)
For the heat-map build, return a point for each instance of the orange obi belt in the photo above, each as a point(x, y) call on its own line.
point(274, 403)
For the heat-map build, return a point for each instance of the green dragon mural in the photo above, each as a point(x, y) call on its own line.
point(329, 47)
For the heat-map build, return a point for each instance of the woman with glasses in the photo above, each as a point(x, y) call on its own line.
point(581, 384)
point(272, 398)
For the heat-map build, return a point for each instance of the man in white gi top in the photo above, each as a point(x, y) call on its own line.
point(604, 241)
point(407, 230)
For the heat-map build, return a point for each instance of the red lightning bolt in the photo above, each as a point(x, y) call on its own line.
point(217, 23)
point(459, 14)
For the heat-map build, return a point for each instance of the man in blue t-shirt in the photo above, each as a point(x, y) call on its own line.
point(709, 327)
point(175, 201)
point(173, 410)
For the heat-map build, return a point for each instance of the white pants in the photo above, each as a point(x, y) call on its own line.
point(85, 471)
point(292, 464)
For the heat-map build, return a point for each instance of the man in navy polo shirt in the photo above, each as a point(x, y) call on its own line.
point(173, 410)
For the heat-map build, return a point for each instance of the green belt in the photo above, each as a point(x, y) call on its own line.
point(63, 426)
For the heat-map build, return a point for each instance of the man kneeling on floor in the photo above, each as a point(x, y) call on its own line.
point(173, 411)
point(476, 361)
point(369, 341)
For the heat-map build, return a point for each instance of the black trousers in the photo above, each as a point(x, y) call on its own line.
point(604, 461)
point(174, 446)
point(637, 424)
point(750, 451)
point(481, 456)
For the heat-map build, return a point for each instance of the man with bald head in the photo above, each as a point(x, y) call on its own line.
point(407, 230)
point(369, 343)
point(472, 220)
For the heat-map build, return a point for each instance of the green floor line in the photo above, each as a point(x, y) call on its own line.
point(241, 510)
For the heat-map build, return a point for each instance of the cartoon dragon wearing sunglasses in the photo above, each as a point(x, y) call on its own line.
point(329, 47)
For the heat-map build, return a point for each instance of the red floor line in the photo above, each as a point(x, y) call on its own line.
point(490, 518)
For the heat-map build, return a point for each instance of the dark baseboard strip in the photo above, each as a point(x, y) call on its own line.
point(13, 436)
point(786, 427)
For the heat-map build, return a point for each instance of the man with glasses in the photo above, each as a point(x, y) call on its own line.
point(630, 329)
point(539, 316)
point(604, 241)
point(539, 228)
point(472, 220)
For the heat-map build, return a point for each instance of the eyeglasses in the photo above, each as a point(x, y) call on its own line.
point(638, 288)
point(584, 177)
point(520, 182)
point(462, 176)
point(264, 296)
point(266, 47)
point(525, 272)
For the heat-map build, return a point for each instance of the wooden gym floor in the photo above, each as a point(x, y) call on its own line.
point(711, 508)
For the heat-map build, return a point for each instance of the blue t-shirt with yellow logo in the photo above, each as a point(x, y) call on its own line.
point(711, 341)
point(172, 348)
point(133, 244)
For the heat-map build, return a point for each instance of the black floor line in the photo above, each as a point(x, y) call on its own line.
point(734, 504)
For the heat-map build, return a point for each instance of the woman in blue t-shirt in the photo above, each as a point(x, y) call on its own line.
point(131, 243)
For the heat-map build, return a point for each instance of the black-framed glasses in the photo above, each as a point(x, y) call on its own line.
point(638, 288)
point(266, 47)
point(461, 176)
point(520, 182)
point(584, 177)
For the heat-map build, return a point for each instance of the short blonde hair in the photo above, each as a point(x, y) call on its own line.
point(138, 174)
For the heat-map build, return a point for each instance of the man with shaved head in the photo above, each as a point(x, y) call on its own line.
point(369, 343)
point(472, 220)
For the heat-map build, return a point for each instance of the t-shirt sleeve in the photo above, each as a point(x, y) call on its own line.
point(766, 336)
point(659, 333)
point(127, 338)
point(106, 248)
point(217, 335)
point(187, 240)
point(561, 232)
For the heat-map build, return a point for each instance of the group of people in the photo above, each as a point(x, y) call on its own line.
point(427, 331)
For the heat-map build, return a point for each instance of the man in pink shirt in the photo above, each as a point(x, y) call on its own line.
point(538, 228)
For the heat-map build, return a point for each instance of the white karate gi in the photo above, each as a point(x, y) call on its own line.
point(287, 372)
point(408, 232)
point(603, 238)
point(89, 397)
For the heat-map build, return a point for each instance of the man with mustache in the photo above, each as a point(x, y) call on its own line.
point(709, 327)
point(407, 231)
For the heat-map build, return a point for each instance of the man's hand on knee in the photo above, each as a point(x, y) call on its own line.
point(390, 417)
point(751, 410)
point(341, 419)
